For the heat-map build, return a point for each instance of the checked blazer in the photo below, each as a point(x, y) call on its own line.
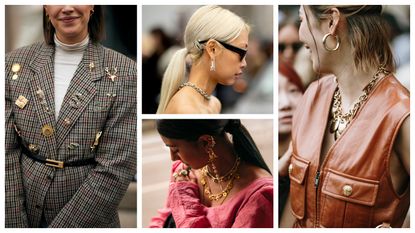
point(80, 196)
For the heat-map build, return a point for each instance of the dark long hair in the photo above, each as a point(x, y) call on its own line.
point(95, 26)
point(192, 129)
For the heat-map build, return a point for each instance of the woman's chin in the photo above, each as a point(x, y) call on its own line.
point(228, 82)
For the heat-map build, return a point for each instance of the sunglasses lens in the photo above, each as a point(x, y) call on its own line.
point(242, 55)
point(281, 47)
point(239, 51)
point(297, 46)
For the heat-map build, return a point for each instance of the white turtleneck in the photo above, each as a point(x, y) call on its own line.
point(67, 59)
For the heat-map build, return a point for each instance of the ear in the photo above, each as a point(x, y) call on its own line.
point(212, 48)
point(206, 141)
point(334, 20)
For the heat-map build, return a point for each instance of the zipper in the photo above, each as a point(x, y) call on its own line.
point(317, 179)
point(316, 184)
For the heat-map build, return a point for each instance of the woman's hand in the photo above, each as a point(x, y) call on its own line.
point(184, 174)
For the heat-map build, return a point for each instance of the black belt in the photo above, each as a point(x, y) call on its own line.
point(56, 163)
point(51, 162)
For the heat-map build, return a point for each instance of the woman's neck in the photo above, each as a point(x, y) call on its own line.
point(72, 40)
point(352, 82)
point(202, 78)
point(80, 46)
point(226, 156)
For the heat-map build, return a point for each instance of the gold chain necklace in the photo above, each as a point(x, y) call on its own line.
point(232, 176)
point(196, 88)
point(225, 177)
point(340, 121)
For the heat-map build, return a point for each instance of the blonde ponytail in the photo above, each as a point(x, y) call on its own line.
point(173, 77)
point(208, 22)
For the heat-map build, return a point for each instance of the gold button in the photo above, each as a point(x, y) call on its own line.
point(15, 76)
point(290, 169)
point(33, 148)
point(21, 101)
point(67, 121)
point(15, 67)
point(347, 190)
point(47, 130)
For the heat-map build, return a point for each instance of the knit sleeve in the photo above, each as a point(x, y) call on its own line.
point(187, 209)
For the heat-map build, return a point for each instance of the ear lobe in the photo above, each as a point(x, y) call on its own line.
point(206, 141)
point(203, 141)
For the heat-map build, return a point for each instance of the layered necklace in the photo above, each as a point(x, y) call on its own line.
point(198, 89)
point(340, 121)
point(229, 177)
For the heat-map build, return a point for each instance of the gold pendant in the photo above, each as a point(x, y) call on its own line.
point(342, 126)
point(334, 125)
point(336, 135)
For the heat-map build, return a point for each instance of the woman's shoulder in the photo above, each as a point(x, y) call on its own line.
point(259, 190)
point(25, 54)
point(126, 67)
point(259, 180)
point(181, 104)
point(184, 102)
point(216, 104)
point(118, 59)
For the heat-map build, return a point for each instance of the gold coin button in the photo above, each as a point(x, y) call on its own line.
point(47, 130)
point(290, 169)
point(15, 67)
point(347, 190)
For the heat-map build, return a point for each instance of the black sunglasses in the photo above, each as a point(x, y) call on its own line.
point(295, 46)
point(239, 51)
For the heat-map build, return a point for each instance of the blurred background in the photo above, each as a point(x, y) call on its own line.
point(23, 26)
point(163, 28)
point(156, 164)
point(290, 49)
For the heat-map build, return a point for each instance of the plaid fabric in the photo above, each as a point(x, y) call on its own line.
point(84, 196)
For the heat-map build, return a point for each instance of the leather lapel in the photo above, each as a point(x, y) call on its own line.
point(42, 89)
point(81, 90)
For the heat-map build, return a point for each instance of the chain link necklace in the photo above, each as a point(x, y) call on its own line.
point(227, 176)
point(340, 121)
point(196, 88)
point(232, 175)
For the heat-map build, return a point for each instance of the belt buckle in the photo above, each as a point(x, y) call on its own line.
point(54, 163)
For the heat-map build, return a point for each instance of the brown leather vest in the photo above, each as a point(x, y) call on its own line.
point(353, 187)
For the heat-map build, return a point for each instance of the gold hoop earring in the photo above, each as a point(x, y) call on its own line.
point(325, 40)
